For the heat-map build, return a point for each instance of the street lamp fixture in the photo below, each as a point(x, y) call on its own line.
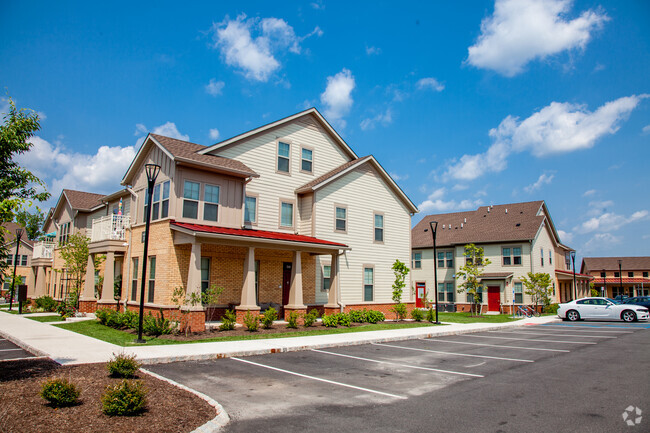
point(19, 234)
point(620, 275)
point(434, 227)
point(573, 259)
point(152, 173)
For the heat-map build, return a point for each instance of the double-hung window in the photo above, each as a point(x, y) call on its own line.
point(379, 228)
point(507, 260)
point(160, 201)
point(441, 259)
point(250, 210)
point(629, 274)
point(286, 214)
point(541, 255)
point(284, 157)
point(307, 160)
point(191, 199)
point(155, 209)
point(152, 279)
point(519, 293)
point(516, 256)
point(65, 232)
point(134, 280)
point(450, 292)
point(327, 274)
point(368, 284)
point(205, 273)
point(450, 259)
point(417, 260)
point(341, 219)
point(550, 257)
point(441, 292)
point(23, 261)
point(211, 205)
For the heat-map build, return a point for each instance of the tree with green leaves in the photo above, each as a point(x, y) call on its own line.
point(185, 302)
point(537, 285)
point(19, 188)
point(75, 256)
point(471, 273)
point(33, 222)
point(400, 270)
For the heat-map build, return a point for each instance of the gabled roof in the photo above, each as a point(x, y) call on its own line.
point(597, 264)
point(83, 201)
point(343, 169)
point(309, 112)
point(514, 222)
point(11, 235)
point(185, 152)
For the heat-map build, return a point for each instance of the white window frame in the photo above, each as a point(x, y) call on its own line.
point(344, 219)
point(375, 228)
point(363, 281)
point(293, 213)
point(206, 203)
point(303, 159)
point(278, 156)
point(417, 263)
point(256, 198)
point(196, 200)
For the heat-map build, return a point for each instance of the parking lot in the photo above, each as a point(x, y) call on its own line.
point(10, 351)
point(563, 376)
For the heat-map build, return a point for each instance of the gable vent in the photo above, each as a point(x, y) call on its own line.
point(518, 224)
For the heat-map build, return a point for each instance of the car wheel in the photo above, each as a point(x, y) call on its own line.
point(573, 315)
point(628, 316)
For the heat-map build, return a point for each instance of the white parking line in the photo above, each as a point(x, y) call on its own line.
point(8, 350)
point(591, 329)
point(395, 363)
point(497, 345)
point(455, 354)
point(531, 339)
point(401, 397)
point(552, 333)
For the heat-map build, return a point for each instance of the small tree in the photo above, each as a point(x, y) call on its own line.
point(400, 270)
point(32, 223)
point(537, 286)
point(181, 299)
point(594, 291)
point(75, 256)
point(471, 273)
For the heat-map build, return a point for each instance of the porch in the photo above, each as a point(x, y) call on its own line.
point(564, 286)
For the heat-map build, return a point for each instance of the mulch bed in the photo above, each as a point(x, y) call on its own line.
point(169, 409)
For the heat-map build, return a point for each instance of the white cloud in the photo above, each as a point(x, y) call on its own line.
point(610, 221)
point(140, 129)
point(337, 96)
point(168, 129)
point(543, 179)
point(435, 203)
point(646, 129)
point(373, 51)
point(589, 193)
point(565, 237)
point(214, 87)
point(520, 31)
point(556, 128)
point(256, 55)
point(318, 5)
point(600, 242)
point(460, 187)
point(396, 176)
point(599, 207)
point(214, 133)
point(430, 83)
point(383, 118)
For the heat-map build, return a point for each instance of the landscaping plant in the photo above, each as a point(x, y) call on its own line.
point(471, 273)
point(270, 315)
point(373, 316)
point(292, 321)
point(124, 399)
point(330, 320)
point(155, 326)
point(186, 301)
point(344, 319)
point(46, 303)
point(400, 270)
point(358, 316)
point(309, 318)
point(228, 321)
point(417, 315)
point(537, 286)
point(60, 392)
point(251, 321)
point(123, 365)
point(400, 311)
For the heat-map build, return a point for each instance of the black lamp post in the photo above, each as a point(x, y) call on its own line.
point(620, 275)
point(152, 173)
point(434, 227)
point(575, 290)
point(604, 292)
point(19, 234)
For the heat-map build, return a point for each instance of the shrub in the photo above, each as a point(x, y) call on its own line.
point(399, 310)
point(114, 319)
point(358, 316)
point(228, 321)
point(65, 309)
point(344, 319)
point(60, 392)
point(156, 326)
point(46, 303)
point(124, 399)
point(552, 308)
point(330, 320)
point(102, 315)
point(417, 314)
point(122, 365)
point(292, 320)
point(431, 315)
point(309, 318)
point(270, 315)
point(251, 321)
point(373, 316)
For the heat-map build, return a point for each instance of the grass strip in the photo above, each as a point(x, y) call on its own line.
point(467, 318)
point(45, 319)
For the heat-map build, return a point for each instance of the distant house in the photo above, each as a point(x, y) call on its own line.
point(630, 278)
point(517, 238)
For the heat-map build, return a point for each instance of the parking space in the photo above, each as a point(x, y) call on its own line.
point(319, 382)
point(10, 351)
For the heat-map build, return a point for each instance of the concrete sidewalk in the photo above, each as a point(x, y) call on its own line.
point(67, 347)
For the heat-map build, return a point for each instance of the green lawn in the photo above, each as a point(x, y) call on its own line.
point(465, 318)
point(14, 310)
point(46, 319)
point(96, 330)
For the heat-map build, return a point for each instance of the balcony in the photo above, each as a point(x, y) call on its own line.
point(109, 228)
point(43, 250)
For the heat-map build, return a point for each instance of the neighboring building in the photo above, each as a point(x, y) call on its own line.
point(23, 261)
point(633, 273)
point(517, 238)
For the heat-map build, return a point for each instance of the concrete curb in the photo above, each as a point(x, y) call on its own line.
point(216, 423)
point(18, 342)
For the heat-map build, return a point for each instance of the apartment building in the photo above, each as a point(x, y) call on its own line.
point(517, 238)
point(615, 276)
point(23, 260)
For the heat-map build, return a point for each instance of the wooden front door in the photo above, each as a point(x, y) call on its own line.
point(494, 298)
point(286, 282)
point(420, 295)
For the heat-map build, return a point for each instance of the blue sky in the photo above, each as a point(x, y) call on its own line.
point(487, 103)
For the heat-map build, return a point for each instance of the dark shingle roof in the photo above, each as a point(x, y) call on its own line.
point(10, 237)
point(83, 200)
point(308, 186)
point(499, 223)
point(597, 264)
point(184, 150)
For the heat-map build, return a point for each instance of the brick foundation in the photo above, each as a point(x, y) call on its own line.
point(87, 306)
point(300, 312)
point(241, 313)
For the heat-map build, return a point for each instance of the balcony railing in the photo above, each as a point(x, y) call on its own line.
point(111, 227)
point(43, 250)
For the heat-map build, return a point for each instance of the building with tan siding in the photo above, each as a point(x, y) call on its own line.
point(630, 277)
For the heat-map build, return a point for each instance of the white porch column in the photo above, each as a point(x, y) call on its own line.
point(109, 279)
point(31, 283)
point(40, 281)
point(248, 301)
point(194, 274)
point(89, 285)
point(295, 292)
point(333, 297)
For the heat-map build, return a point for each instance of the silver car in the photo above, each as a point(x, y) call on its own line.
point(601, 309)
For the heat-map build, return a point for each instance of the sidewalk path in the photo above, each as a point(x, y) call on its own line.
point(67, 347)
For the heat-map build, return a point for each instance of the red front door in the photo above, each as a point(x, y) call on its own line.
point(420, 295)
point(494, 298)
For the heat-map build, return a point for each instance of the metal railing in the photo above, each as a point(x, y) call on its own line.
point(43, 250)
point(111, 227)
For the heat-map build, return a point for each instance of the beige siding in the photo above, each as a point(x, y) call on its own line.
point(352, 190)
point(260, 154)
point(167, 172)
point(305, 204)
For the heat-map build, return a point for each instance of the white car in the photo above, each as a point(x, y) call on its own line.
point(601, 308)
